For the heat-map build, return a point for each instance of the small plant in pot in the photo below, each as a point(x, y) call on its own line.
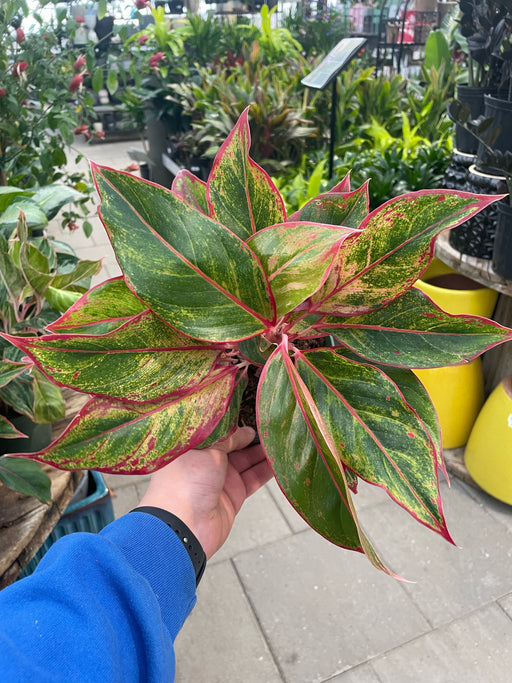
point(39, 280)
point(318, 308)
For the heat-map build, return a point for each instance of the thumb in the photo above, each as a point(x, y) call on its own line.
point(238, 440)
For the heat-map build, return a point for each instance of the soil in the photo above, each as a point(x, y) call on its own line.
point(247, 415)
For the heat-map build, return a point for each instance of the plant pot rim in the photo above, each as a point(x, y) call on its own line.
point(501, 101)
point(474, 169)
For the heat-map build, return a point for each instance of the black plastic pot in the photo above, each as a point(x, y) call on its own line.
point(474, 97)
point(39, 436)
point(502, 253)
point(475, 237)
point(501, 113)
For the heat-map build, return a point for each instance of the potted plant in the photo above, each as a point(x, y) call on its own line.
point(42, 98)
point(314, 315)
point(482, 24)
point(39, 279)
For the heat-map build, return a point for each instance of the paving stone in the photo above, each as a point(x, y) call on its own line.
point(474, 649)
point(324, 609)
point(496, 508)
point(221, 641)
point(450, 581)
point(360, 674)
point(259, 522)
point(292, 517)
point(506, 604)
point(125, 499)
point(117, 480)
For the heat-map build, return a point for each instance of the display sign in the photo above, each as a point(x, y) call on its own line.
point(336, 60)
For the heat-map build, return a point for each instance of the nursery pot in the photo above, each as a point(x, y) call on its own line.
point(501, 113)
point(488, 454)
point(502, 252)
point(475, 237)
point(457, 392)
point(39, 436)
point(474, 97)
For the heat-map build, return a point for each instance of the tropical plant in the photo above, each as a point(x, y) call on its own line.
point(318, 309)
point(39, 279)
point(317, 34)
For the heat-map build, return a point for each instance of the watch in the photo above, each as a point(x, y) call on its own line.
point(190, 542)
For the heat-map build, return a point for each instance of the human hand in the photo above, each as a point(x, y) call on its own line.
point(206, 488)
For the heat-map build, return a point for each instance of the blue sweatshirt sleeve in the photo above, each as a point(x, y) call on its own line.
point(100, 607)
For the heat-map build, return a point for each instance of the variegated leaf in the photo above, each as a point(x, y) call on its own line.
point(393, 249)
point(9, 371)
point(190, 188)
point(204, 280)
point(348, 209)
point(229, 420)
point(306, 469)
point(142, 360)
point(241, 195)
point(376, 432)
point(123, 438)
point(8, 430)
point(296, 258)
point(109, 304)
point(413, 332)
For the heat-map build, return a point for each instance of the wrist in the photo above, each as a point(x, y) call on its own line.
point(190, 542)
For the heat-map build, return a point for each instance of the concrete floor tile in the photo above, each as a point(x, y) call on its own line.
point(324, 609)
point(117, 480)
point(506, 604)
point(259, 522)
point(292, 517)
point(360, 674)
point(473, 649)
point(450, 581)
point(221, 641)
point(496, 508)
point(124, 499)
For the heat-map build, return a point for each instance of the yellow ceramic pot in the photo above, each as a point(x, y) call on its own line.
point(488, 454)
point(457, 392)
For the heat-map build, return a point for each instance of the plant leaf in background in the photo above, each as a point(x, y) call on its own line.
point(25, 476)
point(219, 289)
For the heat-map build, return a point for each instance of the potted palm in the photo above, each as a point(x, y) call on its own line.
point(314, 316)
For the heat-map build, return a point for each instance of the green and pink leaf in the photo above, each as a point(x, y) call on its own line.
point(393, 249)
point(122, 438)
point(240, 194)
point(413, 332)
point(205, 281)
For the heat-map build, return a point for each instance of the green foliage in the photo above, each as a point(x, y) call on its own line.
point(216, 279)
point(38, 114)
point(39, 280)
point(320, 32)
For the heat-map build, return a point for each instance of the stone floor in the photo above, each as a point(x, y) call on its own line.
point(280, 604)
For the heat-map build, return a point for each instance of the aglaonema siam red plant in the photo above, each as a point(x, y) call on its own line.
point(217, 279)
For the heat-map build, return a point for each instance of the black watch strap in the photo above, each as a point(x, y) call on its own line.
point(192, 545)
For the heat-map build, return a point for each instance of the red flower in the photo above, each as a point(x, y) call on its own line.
point(100, 134)
point(155, 59)
point(131, 168)
point(143, 39)
point(19, 68)
point(75, 83)
point(79, 20)
point(20, 35)
point(81, 129)
point(72, 226)
point(141, 4)
point(79, 64)
point(3, 92)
